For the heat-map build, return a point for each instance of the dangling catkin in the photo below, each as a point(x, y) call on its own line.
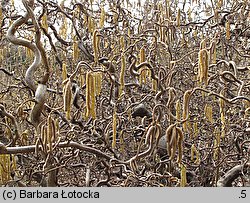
point(45, 21)
point(102, 17)
point(90, 96)
point(67, 98)
point(227, 30)
point(96, 45)
point(195, 128)
point(183, 182)
point(91, 24)
point(178, 18)
point(209, 112)
point(98, 83)
point(64, 71)
point(222, 115)
point(122, 43)
point(213, 52)
point(1, 14)
point(154, 85)
point(50, 131)
point(63, 28)
point(185, 108)
point(122, 74)
point(173, 143)
point(169, 137)
point(75, 50)
point(203, 66)
point(195, 152)
point(88, 99)
point(179, 143)
point(178, 109)
point(143, 70)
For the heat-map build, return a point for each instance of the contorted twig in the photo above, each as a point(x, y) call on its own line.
point(39, 52)
point(230, 176)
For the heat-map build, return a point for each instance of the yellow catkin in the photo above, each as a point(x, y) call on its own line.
point(129, 32)
point(76, 13)
point(212, 52)
point(178, 18)
point(82, 80)
point(115, 18)
point(63, 28)
point(102, 17)
point(173, 143)
point(44, 137)
point(222, 116)
point(203, 44)
point(5, 168)
point(163, 34)
point(95, 45)
point(143, 70)
point(183, 182)
point(90, 96)
point(195, 152)
point(214, 55)
point(91, 24)
point(209, 112)
point(29, 53)
point(195, 33)
point(179, 143)
point(13, 163)
point(219, 4)
point(142, 55)
point(25, 137)
point(1, 55)
point(45, 21)
point(64, 71)
point(169, 136)
point(186, 99)
point(122, 74)
point(227, 30)
point(75, 50)
point(67, 99)
point(154, 85)
point(192, 152)
point(178, 109)
point(190, 14)
point(122, 43)
point(1, 14)
point(50, 131)
point(98, 83)
point(114, 129)
point(8, 133)
point(203, 66)
point(195, 128)
point(13, 4)
point(57, 125)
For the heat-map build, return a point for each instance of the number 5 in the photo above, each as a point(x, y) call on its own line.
point(243, 194)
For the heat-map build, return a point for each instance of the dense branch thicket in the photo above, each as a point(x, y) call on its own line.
point(125, 93)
